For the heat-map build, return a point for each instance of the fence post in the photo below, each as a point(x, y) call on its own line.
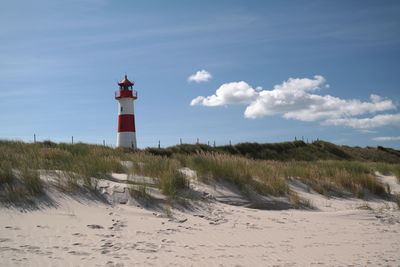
point(72, 139)
point(180, 141)
point(104, 142)
point(34, 138)
point(159, 144)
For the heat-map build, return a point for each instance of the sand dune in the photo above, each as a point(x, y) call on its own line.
point(215, 229)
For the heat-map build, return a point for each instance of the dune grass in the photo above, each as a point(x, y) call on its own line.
point(140, 193)
point(165, 170)
point(387, 169)
point(330, 177)
point(77, 165)
point(269, 177)
point(18, 185)
point(245, 173)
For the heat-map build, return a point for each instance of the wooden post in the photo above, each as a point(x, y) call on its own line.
point(159, 144)
point(34, 138)
point(72, 139)
point(180, 141)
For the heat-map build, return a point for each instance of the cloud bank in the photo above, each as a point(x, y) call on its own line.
point(386, 138)
point(200, 76)
point(296, 99)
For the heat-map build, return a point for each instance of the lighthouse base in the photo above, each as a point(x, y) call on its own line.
point(126, 139)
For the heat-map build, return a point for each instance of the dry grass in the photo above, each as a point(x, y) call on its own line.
point(331, 177)
point(269, 177)
point(79, 163)
point(31, 181)
point(6, 173)
point(387, 169)
point(297, 202)
point(140, 193)
point(241, 171)
point(165, 170)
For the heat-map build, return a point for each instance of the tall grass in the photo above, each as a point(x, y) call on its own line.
point(165, 170)
point(32, 181)
point(269, 177)
point(330, 177)
point(387, 169)
point(6, 173)
point(245, 173)
point(79, 163)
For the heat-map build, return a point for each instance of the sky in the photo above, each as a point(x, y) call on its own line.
point(216, 71)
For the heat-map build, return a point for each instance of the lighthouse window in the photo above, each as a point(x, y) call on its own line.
point(121, 109)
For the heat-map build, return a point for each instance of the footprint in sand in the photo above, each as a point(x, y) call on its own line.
point(78, 234)
point(95, 226)
point(42, 226)
point(146, 247)
point(12, 228)
point(79, 253)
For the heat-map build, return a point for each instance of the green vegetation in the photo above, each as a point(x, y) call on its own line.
point(298, 202)
point(165, 170)
point(289, 151)
point(245, 173)
point(264, 168)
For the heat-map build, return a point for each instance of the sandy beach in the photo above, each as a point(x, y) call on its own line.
point(82, 230)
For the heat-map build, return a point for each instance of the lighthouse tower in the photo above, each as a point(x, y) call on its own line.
point(126, 117)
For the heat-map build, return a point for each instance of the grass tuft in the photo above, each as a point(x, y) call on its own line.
point(165, 170)
point(6, 173)
point(298, 202)
point(140, 193)
point(32, 182)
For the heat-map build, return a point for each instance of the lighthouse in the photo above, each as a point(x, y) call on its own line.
point(126, 117)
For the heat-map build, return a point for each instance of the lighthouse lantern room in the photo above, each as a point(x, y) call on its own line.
point(126, 116)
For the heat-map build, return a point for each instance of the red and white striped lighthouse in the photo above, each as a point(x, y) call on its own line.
point(126, 116)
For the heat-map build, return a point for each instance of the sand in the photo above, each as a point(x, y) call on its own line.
point(219, 230)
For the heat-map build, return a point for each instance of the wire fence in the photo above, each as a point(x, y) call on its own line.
point(72, 140)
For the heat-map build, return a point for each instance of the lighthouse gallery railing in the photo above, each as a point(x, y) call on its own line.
point(126, 93)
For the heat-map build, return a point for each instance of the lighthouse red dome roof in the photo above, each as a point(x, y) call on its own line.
point(125, 81)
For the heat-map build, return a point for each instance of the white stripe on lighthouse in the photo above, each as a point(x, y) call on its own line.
point(126, 139)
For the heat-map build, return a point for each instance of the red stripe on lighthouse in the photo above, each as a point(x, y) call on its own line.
point(126, 123)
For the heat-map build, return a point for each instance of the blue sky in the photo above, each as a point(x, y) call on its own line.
point(279, 69)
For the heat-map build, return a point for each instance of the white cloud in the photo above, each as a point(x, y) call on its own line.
point(386, 138)
point(366, 131)
point(289, 96)
point(365, 123)
point(200, 76)
point(228, 93)
point(295, 99)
